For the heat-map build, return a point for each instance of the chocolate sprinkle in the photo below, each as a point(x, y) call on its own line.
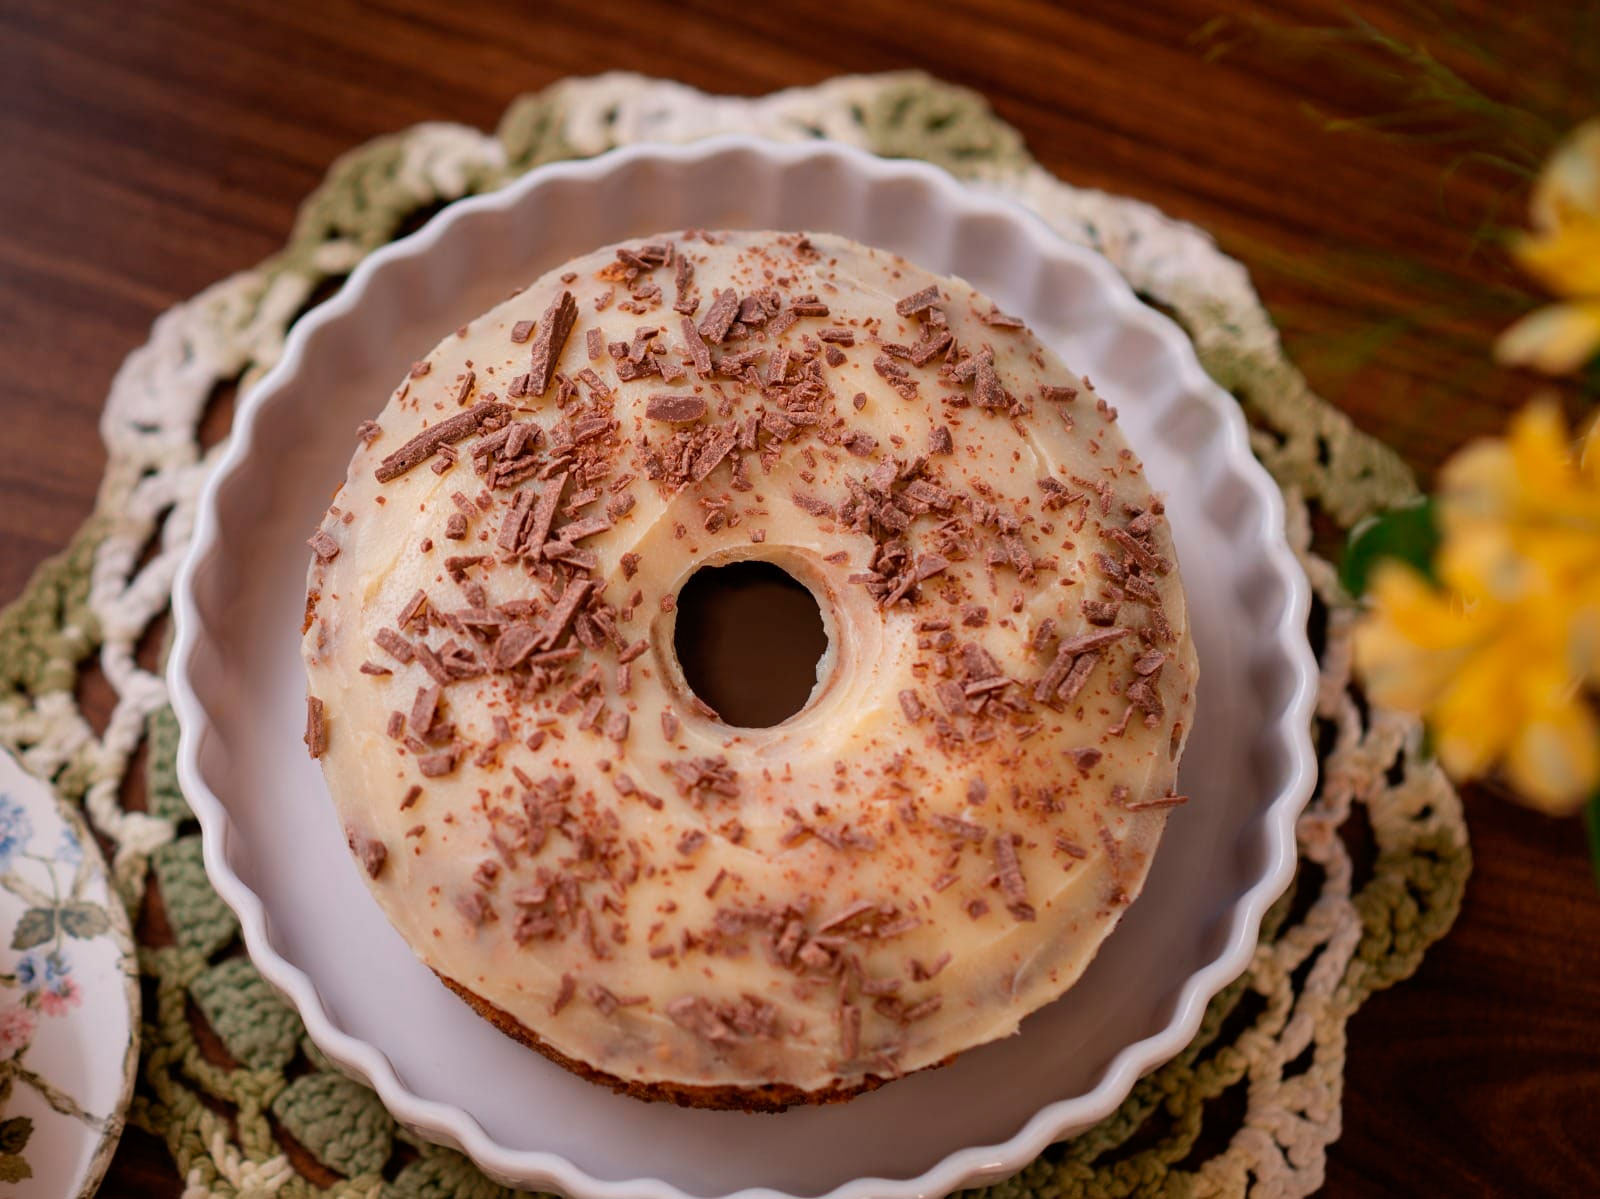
point(316, 737)
point(569, 988)
point(323, 546)
point(554, 328)
point(395, 645)
point(371, 852)
point(918, 301)
point(424, 709)
point(719, 317)
point(435, 764)
point(677, 409)
point(426, 443)
point(1012, 883)
point(560, 619)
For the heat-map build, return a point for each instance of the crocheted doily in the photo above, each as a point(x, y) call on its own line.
point(228, 1078)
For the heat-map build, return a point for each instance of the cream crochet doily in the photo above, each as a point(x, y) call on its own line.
point(1273, 1045)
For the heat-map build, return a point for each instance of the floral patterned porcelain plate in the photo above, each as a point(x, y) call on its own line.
point(69, 1014)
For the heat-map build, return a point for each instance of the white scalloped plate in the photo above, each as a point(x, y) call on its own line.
point(275, 853)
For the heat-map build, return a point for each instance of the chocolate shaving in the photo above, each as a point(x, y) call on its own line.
point(554, 329)
point(596, 385)
point(677, 409)
point(683, 278)
point(811, 504)
point(720, 316)
point(457, 565)
point(1158, 801)
point(511, 529)
point(323, 546)
point(432, 664)
point(395, 645)
point(1100, 612)
point(716, 449)
point(435, 764)
point(537, 530)
point(579, 529)
point(918, 301)
point(448, 431)
point(926, 350)
point(514, 645)
point(1001, 320)
point(849, 1031)
point(521, 331)
point(1088, 641)
point(1012, 883)
point(560, 619)
point(1078, 676)
point(371, 852)
point(1149, 662)
point(1138, 551)
point(986, 385)
point(699, 353)
point(964, 830)
point(1084, 759)
point(568, 988)
point(316, 736)
point(952, 696)
point(861, 444)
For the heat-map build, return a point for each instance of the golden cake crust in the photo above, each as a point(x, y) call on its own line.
point(769, 1097)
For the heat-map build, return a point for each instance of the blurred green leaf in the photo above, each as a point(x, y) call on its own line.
point(13, 1168)
point(84, 921)
point(1409, 534)
point(1592, 819)
point(36, 927)
point(14, 1134)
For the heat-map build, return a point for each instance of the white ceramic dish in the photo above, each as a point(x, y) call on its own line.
point(276, 854)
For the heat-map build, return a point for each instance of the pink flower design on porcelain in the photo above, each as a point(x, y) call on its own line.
point(65, 994)
point(17, 1025)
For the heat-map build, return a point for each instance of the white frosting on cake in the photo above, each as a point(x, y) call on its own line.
point(933, 848)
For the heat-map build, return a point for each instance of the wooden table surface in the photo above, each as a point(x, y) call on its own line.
point(149, 149)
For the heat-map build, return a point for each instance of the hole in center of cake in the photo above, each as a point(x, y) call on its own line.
point(749, 636)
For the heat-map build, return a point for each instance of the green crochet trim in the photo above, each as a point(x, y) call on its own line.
point(48, 631)
point(1279, 1039)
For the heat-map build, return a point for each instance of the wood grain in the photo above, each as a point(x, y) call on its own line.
point(147, 150)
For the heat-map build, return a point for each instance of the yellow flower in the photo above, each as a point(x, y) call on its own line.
point(1563, 252)
point(1500, 656)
